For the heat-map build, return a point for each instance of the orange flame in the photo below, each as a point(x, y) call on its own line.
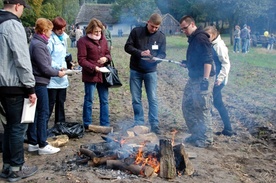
point(173, 136)
point(150, 160)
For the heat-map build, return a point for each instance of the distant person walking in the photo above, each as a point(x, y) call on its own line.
point(271, 42)
point(16, 82)
point(108, 36)
point(79, 33)
point(222, 62)
point(244, 38)
point(237, 39)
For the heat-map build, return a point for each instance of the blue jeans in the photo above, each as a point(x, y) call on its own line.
point(14, 131)
point(57, 98)
point(37, 131)
point(244, 45)
point(219, 105)
point(88, 103)
point(237, 43)
point(150, 82)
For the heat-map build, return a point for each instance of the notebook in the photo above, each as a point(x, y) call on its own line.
point(28, 113)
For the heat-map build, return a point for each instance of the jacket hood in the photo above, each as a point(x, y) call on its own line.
point(196, 32)
point(6, 15)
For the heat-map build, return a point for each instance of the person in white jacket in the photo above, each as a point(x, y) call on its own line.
point(222, 63)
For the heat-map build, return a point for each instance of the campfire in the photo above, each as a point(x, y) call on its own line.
point(148, 157)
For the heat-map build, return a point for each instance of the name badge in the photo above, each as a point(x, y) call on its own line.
point(155, 47)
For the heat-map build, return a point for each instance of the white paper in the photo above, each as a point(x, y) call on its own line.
point(28, 113)
point(104, 69)
point(71, 72)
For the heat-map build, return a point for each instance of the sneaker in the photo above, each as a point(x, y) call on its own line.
point(24, 172)
point(32, 148)
point(6, 171)
point(48, 150)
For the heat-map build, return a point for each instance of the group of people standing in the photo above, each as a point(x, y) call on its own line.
point(242, 39)
point(38, 72)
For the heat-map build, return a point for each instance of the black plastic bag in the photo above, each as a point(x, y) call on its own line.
point(111, 79)
point(69, 60)
point(72, 130)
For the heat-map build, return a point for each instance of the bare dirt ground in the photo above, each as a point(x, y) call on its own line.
point(248, 157)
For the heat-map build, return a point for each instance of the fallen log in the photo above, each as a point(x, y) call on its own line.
point(88, 153)
point(119, 165)
point(167, 160)
point(100, 129)
point(100, 161)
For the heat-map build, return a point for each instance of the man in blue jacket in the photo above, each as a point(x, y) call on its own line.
point(142, 42)
point(16, 83)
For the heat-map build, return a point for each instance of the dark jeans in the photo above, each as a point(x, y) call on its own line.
point(88, 103)
point(57, 98)
point(37, 131)
point(14, 131)
point(219, 105)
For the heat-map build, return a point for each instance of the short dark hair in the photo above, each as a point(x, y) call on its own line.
point(58, 23)
point(187, 18)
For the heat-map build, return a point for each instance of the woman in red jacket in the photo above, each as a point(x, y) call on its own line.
point(93, 53)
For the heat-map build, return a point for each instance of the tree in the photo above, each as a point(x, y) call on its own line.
point(133, 11)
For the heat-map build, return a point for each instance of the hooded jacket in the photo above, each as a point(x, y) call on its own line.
point(221, 59)
point(16, 76)
point(199, 52)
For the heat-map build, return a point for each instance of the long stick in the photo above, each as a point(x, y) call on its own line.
point(156, 59)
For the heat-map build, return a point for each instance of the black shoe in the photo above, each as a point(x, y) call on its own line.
point(5, 172)
point(156, 130)
point(226, 133)
point(24, 172)
point(202, 144)
point(191, 139)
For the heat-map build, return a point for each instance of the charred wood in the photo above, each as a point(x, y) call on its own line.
point(182, 160)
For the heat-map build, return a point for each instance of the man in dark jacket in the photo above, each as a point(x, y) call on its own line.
point(197, 97)
point(145, 42)
point(16, 82)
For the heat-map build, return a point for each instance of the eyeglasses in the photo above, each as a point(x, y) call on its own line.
point(184, 28)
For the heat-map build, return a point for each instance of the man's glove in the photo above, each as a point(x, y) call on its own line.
point(204, 84)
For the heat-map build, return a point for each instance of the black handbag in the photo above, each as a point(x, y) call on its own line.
point(111, 79)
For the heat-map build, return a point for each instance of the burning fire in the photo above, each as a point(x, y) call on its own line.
point(173, 136)
point(150, 160)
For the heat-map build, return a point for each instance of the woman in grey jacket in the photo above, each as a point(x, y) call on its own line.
point(42, 70)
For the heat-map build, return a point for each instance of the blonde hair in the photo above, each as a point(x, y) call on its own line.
point(93, 24)
point(155, 18)
point(213, 30)
point(43, 24)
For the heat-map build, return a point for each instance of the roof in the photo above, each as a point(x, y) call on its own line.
point(170, 17)
point(99, 11)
